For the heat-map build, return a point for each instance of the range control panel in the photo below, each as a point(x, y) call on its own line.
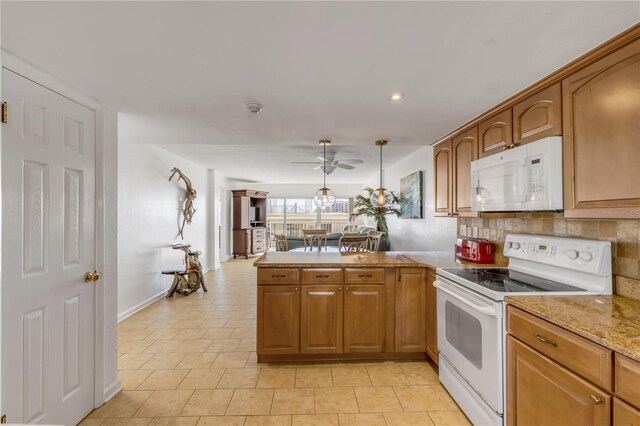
point(573, 253)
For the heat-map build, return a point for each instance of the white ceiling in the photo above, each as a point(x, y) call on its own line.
point(181, 72)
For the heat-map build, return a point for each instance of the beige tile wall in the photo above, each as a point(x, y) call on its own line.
point(623, 234)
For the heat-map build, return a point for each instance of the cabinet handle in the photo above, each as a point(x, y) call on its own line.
point(278, 276)
point(339, 288)
point(596, 399)
point(543, 340)
point(295, 289)
point(364, 276)
point(348, 288)
point(322, 276)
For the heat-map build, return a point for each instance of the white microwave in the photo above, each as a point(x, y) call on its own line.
point(526, 178)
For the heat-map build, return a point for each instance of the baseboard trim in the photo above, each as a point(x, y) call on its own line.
point(126, 314)
point(207, 269)
point(112, 390)
point(218, 266)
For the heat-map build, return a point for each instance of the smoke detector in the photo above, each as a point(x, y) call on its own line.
point(254, 108)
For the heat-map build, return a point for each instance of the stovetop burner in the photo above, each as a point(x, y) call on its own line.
point(507, 281)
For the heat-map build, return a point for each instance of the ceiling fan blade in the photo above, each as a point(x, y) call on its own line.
point(306, 162)
point(318, 167)
point(352, 161)
point(322, 160)
point(344, 166)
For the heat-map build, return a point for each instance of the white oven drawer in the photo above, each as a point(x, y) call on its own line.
point(470, 338)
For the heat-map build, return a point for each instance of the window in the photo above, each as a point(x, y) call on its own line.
point(291, 215)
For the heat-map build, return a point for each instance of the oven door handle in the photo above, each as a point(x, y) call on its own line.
point(482, 309)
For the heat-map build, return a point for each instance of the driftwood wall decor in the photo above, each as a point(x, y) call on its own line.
point(188, 209)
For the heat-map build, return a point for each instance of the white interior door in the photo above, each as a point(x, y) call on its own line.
point(48, 237)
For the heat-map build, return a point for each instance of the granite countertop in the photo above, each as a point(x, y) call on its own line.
point(611, 321)
point(429, 259)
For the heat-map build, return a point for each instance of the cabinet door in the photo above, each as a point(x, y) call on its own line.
point(601, 122)
point(364, 318)
point(624, 414)
point(411, 309)
point(278, 319)
point(495, 134)
point(432, 317)
point(244, 209)
point(538, 116)
point(465, 150)
point(541, 392)
point(321, 310)
point(442, 169)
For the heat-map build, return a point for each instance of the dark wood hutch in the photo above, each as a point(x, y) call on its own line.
point(249, 222)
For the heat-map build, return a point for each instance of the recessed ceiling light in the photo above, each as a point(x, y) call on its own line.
point(254, 108)
point(396, 97)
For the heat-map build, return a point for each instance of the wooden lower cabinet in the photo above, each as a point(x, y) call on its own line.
point(364, 318)
point(278, 319)
point(432, 317)
point(624, 414)
point(321, 319)
point(411, 310)
point(541, 392)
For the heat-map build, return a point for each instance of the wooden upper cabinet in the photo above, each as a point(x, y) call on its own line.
point(538, 116)
point(601, 122)
point(321, 321)
point(411, 309)
point(541, 392)
point(442, 178)
point(495, 134)
point(278, 320)
point(465, 150)
point(432, 317)
point(364, 318)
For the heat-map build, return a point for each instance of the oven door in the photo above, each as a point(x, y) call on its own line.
point(470, 339)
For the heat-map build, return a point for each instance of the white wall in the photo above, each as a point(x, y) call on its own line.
point(149, 209)
point(430, 233)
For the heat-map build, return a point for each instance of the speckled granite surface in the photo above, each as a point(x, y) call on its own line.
point(611, 321)
point(429, 259)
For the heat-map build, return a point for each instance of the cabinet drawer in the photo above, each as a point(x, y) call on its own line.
point(624, 415)
point(587, 359)
point(364, 275)
point(259, 233)
point(627, 379)
point(278, 276)
point(322, 276)
point(257, 249)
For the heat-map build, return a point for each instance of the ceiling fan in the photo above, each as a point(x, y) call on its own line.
point(329, 164)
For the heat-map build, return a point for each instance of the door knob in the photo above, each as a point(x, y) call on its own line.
point(90, 277)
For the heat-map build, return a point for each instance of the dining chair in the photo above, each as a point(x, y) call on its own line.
point(353, 243)
point(282, 244)
point(314, 237)
point(374, 240)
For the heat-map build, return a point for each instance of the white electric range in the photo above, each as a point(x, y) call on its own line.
point(471, 308)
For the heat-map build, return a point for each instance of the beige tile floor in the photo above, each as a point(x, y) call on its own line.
point(191, 361)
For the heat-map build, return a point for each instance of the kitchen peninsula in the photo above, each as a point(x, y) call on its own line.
point(341, 306)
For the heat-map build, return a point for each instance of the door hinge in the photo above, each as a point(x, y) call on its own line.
point(5, 109)
point(3, 419)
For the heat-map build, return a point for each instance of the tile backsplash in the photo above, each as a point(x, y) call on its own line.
point(623, 234)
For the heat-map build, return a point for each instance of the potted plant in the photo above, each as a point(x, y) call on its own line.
point(362, 206)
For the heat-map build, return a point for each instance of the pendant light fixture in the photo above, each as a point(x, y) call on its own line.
point(381, 197)
point(324, 196)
